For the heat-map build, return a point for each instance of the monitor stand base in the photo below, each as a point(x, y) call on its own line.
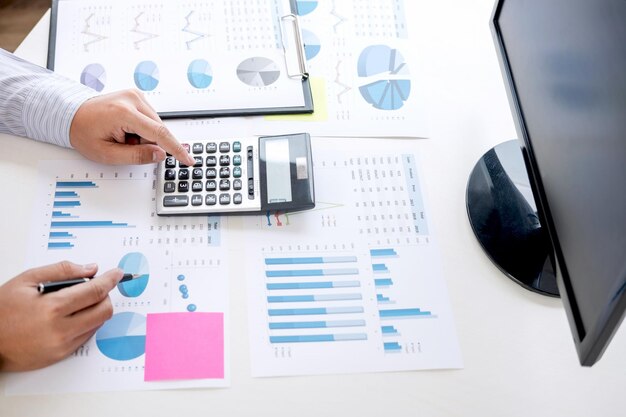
point(503, 216)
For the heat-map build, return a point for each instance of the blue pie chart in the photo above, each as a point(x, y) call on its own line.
point(306, 6)
point(199, 73)
point(122, 337)
point(94, 76)
point(311, 44)
point(137, 264)
point(388, 84)
point(146, 76)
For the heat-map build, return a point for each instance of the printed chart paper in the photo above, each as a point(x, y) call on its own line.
point(354, 285)
point(92, 213)
point(367, 54)
point(185, 56)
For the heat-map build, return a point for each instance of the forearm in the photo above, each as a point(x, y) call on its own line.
point(37, 103)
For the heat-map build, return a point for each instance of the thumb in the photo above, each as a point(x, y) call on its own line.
point(59, 272)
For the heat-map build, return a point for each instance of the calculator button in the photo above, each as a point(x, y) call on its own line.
point(224, 198)
point(197, 148)
point(211, 147)
point(211, 161)
point(196, 200)
point(237, 199)
point(224, 147)
point(237, 160)
point(175, 200)
point(211, 173)
point(196, 186)
point(170, 174)
point(170, 162)
point(237, 172)
point(224, 172)
point(250, 188)
point(183, 186)
point(183, 174)
point(237, 184)
point(186, 146)
point(236, 146)
point(198, 161)
point(210, 199)
point(224, 185)
point(169, 187)
point(211, 185)
point(197, 174)
point(224, 160)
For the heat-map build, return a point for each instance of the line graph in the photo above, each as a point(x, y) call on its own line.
point(344, 86)
point(196, 34)
point(92, 36)
point(340, 18)
point(144, 35)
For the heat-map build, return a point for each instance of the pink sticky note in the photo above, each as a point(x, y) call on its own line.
point(184, 346)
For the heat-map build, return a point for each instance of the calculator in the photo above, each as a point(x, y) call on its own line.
point(238, 175)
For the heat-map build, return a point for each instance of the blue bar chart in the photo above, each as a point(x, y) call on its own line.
point(363, 294)
point(309, 297)
point(392, 317)
point(105, 215)
point(70, 200)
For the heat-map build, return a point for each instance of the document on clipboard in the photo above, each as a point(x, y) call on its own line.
point(190, 58)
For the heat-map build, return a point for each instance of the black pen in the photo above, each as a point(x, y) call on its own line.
point(46, 287)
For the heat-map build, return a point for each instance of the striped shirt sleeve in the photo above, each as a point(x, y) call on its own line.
point(37, 103)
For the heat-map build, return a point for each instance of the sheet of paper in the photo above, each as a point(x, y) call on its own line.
point(184, 346)
point(367, 51)
point(184, 56)
point(354, 285)
point(92, 213)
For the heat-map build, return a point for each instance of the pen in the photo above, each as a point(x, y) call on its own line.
point(46, 287)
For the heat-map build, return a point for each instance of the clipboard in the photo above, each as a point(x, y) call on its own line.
point(190, 59)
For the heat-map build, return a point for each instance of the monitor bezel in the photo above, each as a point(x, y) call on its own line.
point(590, 341)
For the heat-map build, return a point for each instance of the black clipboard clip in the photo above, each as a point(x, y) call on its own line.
point(303, 73)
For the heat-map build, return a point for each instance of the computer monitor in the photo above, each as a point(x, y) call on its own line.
point(564, 68)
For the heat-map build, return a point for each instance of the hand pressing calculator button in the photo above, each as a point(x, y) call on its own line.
point(238, 175)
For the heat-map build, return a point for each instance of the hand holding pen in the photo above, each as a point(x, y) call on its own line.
point(51, 286)
point(38, 330)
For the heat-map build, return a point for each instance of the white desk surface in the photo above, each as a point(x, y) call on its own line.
point(517, 348)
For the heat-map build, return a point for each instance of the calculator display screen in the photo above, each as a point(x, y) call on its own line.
point(278, 170)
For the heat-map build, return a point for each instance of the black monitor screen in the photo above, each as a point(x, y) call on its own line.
point(565, 63)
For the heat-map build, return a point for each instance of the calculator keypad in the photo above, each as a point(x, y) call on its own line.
point(223, 178)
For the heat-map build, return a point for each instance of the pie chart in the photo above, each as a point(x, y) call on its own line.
point(311, 44)
point(306, 6)
point(146, 76)
point(122, 337)
point(258, 72)
point(94, 76)
point(388, 85)
point(134, 263)
point(199, 73)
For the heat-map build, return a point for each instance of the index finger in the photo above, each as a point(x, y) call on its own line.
point(81, 296)
point(157, 132)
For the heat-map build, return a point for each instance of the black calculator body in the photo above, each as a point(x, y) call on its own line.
point(238, 175)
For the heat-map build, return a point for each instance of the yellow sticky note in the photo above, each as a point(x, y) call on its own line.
point(320, 114)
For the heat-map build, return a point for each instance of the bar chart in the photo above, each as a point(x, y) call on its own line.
point(67, 218)
point(313, 299)
point(89, 213)
point(389, 300)
point(364, 295)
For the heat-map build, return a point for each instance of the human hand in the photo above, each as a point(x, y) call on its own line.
point(37, 330)
point(100, 125)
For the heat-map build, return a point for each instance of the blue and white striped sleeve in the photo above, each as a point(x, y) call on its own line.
point(37, 103)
